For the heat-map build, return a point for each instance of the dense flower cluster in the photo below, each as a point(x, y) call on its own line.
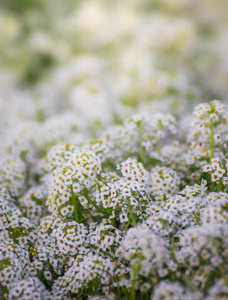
point(108, 219)
point(29, 288)
point(210, 130)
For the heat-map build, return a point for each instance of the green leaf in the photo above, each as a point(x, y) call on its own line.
point(36, 200)
point(164, 222)
point(209, 281)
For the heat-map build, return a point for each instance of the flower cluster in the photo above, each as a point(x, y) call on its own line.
point(13, 260)
point(210, 130)
point(104, 239)
point(71, 178)
point(143, 134)
point(12, 175)
point(172, 291)
point(164, 182)
point(32, 203)
point(217, 173)
point(29, 288)
point(128, 201)
point(133, 170)
point(78, 278)
point(147, 255)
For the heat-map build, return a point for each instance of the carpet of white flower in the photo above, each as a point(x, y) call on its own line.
point(137, 214)
point(113, 176)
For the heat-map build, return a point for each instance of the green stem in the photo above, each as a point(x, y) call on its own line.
point(126, 227)
point(196, 218)
point(75, 204)
point(132, 295)
point(221, 188)
point(223, 273)
point(213, 187)
point(136, 268)
point(160, 127)
point(212, 141)
point(131, 213)
point(188, 283)
point(118, 292)
point(113, 222)
point(159, 147)
point(144, 296)
point(98, 208)
point(96, 285)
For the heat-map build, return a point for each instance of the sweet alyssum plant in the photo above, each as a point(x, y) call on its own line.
point(137, 214)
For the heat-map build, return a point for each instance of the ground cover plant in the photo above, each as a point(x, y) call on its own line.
point(113, 153)
point(137, 214)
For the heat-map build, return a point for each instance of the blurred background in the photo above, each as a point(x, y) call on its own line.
point(84, 65)
point(170, 36)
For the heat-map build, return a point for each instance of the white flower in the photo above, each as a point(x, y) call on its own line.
point(123, 218)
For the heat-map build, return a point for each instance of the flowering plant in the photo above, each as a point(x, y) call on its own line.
point(95, 226)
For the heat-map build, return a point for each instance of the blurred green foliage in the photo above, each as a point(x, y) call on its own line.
point(26, 22)
point(21, 6)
